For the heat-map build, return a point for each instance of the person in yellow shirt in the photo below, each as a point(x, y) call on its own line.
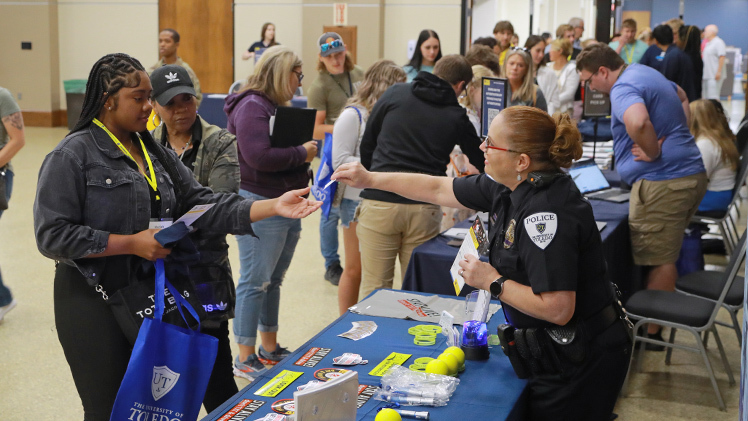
point(503, 32)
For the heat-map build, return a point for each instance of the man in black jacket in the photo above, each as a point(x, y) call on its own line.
point(412, 128)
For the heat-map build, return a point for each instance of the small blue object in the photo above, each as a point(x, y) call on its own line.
point(475, 340)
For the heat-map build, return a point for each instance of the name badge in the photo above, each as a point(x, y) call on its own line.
point(160, 224)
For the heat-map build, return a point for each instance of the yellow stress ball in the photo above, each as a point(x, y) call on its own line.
point(437, 367)
point(458, 353)
point(388, 414)
point(451, 362)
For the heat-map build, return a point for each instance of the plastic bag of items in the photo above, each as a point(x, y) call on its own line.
point(410, 388)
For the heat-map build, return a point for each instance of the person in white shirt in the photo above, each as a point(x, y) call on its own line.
point(714, 62)
point(544, 76)
point(346, 141)
point(566, 73)
point(716, 142)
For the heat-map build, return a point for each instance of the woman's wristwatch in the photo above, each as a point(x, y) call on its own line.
point(497, 287)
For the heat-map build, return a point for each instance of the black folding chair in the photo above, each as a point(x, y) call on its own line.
point(680, 311)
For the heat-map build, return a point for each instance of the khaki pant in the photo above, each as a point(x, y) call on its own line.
point(387, 231)
point(659, 212)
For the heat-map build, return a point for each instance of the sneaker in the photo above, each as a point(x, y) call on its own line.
point(273, 358)
point(655, 347)
point(333, 273)
point(5, 309)
point(250, 369)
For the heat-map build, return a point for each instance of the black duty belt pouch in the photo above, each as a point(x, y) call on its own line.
point(543, 351)
point(509, 346)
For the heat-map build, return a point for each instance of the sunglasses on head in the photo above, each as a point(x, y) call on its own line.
point(523, 49)
point(332, 44)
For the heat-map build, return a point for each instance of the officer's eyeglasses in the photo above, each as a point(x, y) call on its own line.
point(332, 44)
point(300, 75)
point(487, 139)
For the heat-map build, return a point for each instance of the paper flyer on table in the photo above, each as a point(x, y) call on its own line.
point(422, 308)
point(473, 244)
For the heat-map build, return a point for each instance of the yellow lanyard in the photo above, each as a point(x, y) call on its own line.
point(152, 179)
point(630, 57)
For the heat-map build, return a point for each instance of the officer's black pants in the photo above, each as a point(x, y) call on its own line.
point(98, 352)
point(587, 392)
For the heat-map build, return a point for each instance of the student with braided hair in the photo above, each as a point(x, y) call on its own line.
point(97, 192)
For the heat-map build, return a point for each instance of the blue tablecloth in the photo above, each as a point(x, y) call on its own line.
point(428, 270)
point(211, 108)
point(488, 390)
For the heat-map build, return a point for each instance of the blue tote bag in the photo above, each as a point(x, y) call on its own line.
point(325, 195)
point(170, 366)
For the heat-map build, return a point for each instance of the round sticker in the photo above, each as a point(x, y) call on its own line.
point(326, 374)
point(284, 406)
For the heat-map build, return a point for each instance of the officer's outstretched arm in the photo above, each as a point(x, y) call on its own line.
point(420, 187)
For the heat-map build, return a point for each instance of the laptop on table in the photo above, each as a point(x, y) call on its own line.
point(593, 185)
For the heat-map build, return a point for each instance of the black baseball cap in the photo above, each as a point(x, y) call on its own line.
point(169, 81)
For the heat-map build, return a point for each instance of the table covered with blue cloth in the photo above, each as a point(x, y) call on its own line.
point(488, 390)
point(428, 270)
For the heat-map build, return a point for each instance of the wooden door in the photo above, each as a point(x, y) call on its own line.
point(206, 31)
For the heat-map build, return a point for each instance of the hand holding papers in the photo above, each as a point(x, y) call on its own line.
point(474, 244)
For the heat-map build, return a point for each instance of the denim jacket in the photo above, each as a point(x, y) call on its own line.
point(89, 189)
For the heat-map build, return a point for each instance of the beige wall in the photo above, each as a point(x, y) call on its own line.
point(90, 29)
point(404, 20)
point(250, 15)
point(31, 75)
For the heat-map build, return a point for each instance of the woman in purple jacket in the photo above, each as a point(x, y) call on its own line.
point(266, 172)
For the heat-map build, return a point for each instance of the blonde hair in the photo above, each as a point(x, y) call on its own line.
point(273, 73)
point(708, 122)
point(526, 92)
point(563, 45)
point(380, 76)
point(551, 142)
point(479, 72)
point(347, 65)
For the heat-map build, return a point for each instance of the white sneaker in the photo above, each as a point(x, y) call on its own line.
point(5, 309)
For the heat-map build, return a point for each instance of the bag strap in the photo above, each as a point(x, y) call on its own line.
point(360, 122)
point(161, 284)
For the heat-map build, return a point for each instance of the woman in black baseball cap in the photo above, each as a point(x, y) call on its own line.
point(210, 152)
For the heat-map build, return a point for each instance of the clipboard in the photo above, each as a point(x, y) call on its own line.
point(291, 126)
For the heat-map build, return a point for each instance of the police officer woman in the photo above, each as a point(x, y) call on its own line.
point(546, 262)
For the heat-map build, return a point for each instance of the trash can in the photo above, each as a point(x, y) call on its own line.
point(75, 91)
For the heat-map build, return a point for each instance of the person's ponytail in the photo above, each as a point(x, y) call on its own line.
point(567, 144)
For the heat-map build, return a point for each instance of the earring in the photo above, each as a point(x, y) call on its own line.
point(110, 108)
point(519, 177)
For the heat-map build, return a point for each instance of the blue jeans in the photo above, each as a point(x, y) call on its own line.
point(263, 263)
point(328, 236)
point(5, 296)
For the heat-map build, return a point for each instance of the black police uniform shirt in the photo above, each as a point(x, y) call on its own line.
point(542, 237)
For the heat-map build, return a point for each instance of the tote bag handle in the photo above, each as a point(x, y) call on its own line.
point(161, 284)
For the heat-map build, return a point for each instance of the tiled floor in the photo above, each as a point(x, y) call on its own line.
point(35, 381)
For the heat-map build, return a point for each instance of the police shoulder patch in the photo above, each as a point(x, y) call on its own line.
point(541, 228)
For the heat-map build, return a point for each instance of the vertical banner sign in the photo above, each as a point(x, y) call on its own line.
point(341, 14)
point(493, 100)
point(744, 357)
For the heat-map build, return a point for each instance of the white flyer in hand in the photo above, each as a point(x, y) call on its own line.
point(191, 216)
point(474, 243)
